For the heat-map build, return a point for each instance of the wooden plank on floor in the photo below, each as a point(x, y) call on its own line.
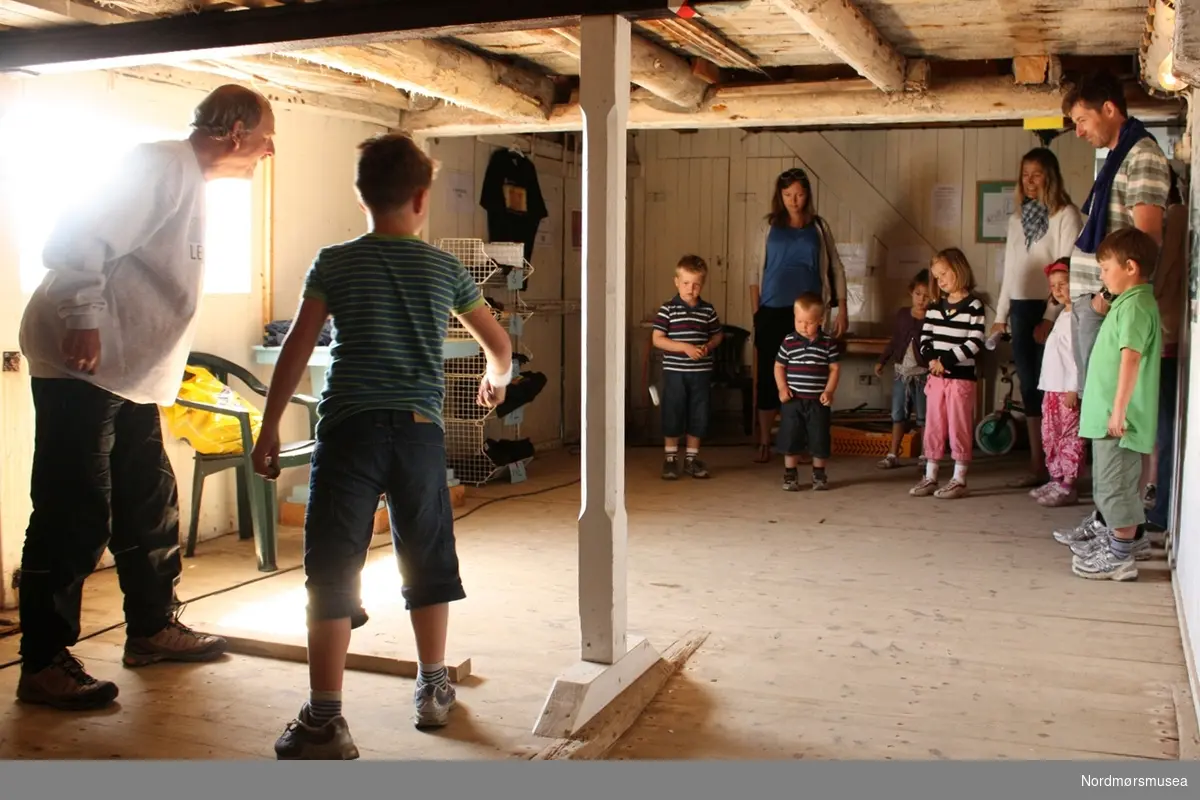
point(361, 662)
point(599, 735)
point(1185, 717)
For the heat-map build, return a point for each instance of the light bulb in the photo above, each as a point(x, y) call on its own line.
point(1166, 75)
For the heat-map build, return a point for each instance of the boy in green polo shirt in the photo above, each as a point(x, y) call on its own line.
point(1120, 405)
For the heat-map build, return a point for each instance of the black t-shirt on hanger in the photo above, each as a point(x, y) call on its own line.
point(513, 200)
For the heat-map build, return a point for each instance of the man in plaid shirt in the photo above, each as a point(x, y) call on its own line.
point(1130, 192)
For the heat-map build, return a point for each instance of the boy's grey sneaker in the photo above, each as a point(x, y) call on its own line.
point(1090, 528)
point(820, 484)
point(432, 705)
point(303, 742)
point(791, 482)
point(670, 469)
point(696, 468)
point(1104, 565)
point(1088, 547)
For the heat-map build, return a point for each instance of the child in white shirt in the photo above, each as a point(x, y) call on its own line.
point(1059, 384)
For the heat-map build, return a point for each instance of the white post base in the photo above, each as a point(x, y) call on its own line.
point(587, 688)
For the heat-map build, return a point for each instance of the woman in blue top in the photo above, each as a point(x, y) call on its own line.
point(797, 255)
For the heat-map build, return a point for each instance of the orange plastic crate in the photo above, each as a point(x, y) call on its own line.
point(855, 442)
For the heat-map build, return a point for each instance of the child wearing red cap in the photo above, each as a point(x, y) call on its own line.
point(1059, 384)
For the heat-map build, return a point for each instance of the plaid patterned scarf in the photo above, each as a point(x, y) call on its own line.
point(1035, 219)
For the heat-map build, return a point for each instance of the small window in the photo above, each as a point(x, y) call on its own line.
point(46, 167)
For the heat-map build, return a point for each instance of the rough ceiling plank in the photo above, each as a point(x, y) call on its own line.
point(702, 41)
point(833, 104)
point(298, 26)
point(448, 72)
point(844, 31)
point(652, 66)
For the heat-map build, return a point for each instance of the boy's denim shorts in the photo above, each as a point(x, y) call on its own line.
point(686, 403)
point(908, 397)
point(399, 454)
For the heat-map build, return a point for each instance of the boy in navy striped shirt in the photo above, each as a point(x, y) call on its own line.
point(687, 330)
point(806, 374)
point(390, 295)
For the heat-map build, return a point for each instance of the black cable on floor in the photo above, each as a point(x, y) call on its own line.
point(279, 572)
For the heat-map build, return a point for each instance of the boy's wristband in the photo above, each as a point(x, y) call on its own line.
point(499, 380)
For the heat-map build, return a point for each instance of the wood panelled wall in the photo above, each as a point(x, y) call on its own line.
point(708, 192)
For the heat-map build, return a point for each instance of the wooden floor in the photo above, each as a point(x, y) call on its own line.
point(856, 624)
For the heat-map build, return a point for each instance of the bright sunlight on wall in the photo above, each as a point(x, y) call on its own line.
point(46, 165)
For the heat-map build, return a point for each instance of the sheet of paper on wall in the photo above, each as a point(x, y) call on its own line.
point(854, 259)
point(905, 261)
point(856, 297)
point(462, 191)
point(947, 206)
point(997, 267)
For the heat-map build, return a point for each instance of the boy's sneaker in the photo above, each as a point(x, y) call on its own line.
point(303, 742)
point(888, 462)
point(1059, 496)
point(1088, 547)
point(175, 642)
point(923, 489)
point(670, 470)
point(432, 703)
point(695, 467)
point(1104, 565)
point(791, 481)
point(66, 685)
point(1090, 528)
point(952, 491)
point(820, 483)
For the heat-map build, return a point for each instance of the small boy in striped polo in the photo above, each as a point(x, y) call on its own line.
point(806, 374)
point(687, 330)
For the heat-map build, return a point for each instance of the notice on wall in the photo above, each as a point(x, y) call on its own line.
point(462, 191)
point(854, 259)
point(905, 261)
point(947, 206)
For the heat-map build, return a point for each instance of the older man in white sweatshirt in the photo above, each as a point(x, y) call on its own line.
point(107, 335)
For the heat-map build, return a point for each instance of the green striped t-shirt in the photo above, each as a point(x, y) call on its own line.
point(390, 298)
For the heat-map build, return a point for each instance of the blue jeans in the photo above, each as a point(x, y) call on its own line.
point(908, 397)
point(1085, 326)
point(686, 403)
point(1023, 317)
point(1160, 515)
point(372, 453)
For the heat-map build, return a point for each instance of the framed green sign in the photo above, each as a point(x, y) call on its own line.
point(994, 205)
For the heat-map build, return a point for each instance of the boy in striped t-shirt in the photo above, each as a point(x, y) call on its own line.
point(687, 330)
point(806, 374)
point(380, 433)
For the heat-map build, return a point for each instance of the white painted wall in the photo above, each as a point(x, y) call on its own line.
point(314, 205)
point(707, 192)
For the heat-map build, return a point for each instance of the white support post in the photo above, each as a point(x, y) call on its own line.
point(610, 661)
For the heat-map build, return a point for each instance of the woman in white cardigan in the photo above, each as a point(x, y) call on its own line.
point(1042, 230)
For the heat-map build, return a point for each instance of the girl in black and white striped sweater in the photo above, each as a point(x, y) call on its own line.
point(951, 340)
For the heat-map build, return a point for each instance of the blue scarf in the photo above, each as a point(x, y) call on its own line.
point(1132, 132)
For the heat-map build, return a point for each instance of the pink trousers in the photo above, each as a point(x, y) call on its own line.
point(949, 414)
point(1060, 438)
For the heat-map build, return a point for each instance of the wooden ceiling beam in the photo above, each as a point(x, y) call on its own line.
point(296, 26)
point(652, 66)
point(702, 39)
point(846, 32)
point(831, 104)
point(448, 72)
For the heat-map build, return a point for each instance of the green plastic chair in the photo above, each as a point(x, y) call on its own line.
point(257, 511)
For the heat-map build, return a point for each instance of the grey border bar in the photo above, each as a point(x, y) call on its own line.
point(605, 780)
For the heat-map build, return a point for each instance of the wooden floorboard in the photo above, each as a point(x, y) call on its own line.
point(858, 623)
